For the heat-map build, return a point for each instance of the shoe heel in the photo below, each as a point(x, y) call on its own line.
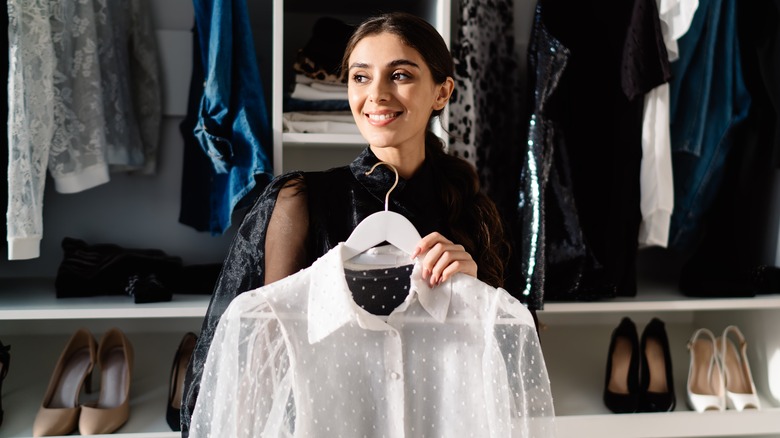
point(88, 381)
point(59, 411)
point(740, 390)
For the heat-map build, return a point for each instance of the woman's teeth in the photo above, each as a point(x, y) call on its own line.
point(382, 116)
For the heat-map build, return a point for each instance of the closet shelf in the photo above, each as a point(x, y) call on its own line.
point(295, 139)
point(671, 424)
point(35, 299)
point(661, 298)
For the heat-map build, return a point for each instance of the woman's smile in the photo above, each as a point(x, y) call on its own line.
point(382, 119)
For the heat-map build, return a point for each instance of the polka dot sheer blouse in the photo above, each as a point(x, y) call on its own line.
point(299, 357)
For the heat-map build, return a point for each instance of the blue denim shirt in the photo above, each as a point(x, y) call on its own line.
point(708, 100)
point(232, 121)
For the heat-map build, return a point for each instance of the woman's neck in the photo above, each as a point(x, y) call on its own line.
point(406, 161)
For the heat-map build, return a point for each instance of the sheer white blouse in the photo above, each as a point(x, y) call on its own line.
point(299, 357)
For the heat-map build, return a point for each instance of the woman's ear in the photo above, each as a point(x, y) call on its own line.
point(444, 92)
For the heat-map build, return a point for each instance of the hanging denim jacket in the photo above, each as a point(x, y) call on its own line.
point(709, 100)
point(232, 121)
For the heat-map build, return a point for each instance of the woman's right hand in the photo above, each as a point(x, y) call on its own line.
point(443, 259)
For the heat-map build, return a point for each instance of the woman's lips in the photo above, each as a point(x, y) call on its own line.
point(381, 119)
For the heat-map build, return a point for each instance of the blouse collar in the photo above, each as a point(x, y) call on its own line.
point(380, 180)
point(331, 308)
point(416, 198)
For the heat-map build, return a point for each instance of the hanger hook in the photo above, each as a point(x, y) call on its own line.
point(387, 196)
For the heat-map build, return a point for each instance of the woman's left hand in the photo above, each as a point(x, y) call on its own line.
point(444, 259)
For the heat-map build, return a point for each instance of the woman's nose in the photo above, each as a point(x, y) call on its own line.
point(380, 91)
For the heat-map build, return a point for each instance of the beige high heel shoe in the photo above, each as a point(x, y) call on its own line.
point(59, 411)
point(112, 409)
point(740, 389)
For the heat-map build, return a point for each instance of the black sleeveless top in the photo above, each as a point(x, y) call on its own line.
point(338, 199)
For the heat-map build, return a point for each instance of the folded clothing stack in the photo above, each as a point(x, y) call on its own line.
point(321, 57)
point(319, 86)
point(149, 275)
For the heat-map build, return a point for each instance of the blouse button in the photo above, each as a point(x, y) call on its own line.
point(395, 375)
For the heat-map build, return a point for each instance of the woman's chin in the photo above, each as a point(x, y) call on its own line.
point(379, 141)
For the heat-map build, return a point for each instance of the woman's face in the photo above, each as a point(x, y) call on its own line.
point(392, 93)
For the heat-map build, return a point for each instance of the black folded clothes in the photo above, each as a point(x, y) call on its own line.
point(148, 275)
point(320, 58)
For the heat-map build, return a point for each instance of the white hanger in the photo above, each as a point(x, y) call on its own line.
point(382, 226)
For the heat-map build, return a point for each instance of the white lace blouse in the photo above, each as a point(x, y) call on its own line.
point(299, 358)
point(84, 98)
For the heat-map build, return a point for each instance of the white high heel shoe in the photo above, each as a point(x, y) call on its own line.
point(740, 390)
point(706, 390)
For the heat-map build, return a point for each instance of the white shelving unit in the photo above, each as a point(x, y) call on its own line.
point(34, 299)
point(575, 340)
point(38, 326)
point(294, 139)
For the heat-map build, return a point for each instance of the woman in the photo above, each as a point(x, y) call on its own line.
point(399, 73)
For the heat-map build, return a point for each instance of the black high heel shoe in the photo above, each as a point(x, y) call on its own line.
point(621, 386)
point(176, 388)
point(657, 387)
point(5, 361)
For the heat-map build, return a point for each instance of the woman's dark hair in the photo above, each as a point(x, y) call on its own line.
point(473, 218)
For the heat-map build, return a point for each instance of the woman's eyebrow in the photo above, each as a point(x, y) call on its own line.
point(405, 62)
point(394, 63)
point(358, 65)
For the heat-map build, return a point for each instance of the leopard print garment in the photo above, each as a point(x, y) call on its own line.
point(489, 128)
point(485, 122)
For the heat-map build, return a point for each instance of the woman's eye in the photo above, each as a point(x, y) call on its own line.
point(359, 78)
point(399, 76)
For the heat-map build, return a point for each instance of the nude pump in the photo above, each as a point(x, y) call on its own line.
point(112, 409)
point(60, 409)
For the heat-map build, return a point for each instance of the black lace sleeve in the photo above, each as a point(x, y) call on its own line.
point(280, 213)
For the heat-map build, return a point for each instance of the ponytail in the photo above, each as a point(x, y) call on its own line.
point(473, 217)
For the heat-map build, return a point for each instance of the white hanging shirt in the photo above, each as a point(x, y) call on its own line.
point(300, 358)
point(655, 175)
